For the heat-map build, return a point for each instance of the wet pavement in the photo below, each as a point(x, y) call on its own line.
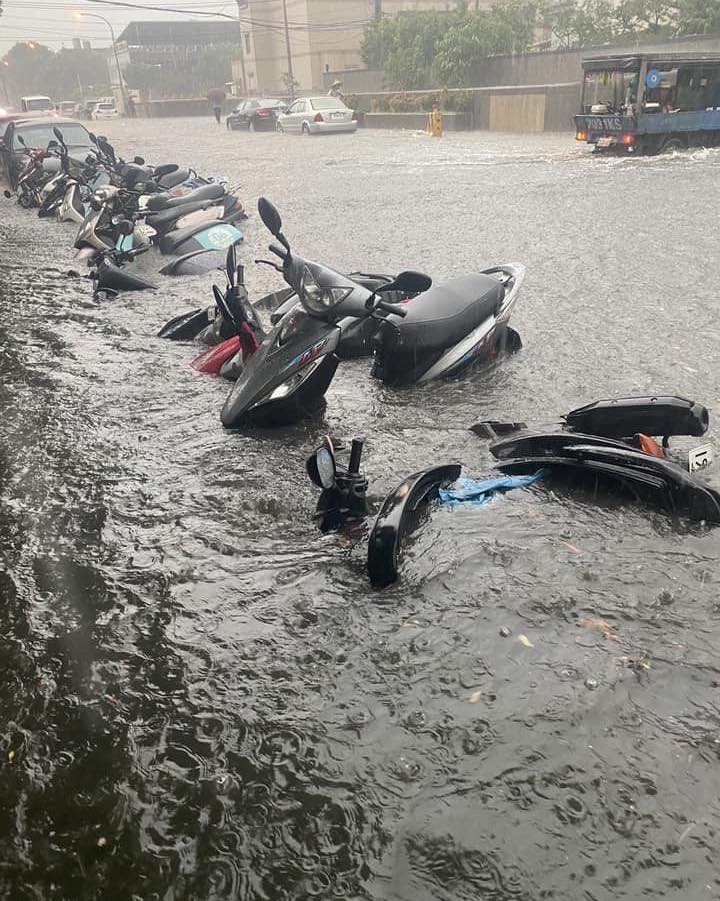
point(200, 697)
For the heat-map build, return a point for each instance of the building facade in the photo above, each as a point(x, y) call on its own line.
point(323, 36)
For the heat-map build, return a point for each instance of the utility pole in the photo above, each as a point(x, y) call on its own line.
point(378, 9)
point(242, 4)
point(291, 74)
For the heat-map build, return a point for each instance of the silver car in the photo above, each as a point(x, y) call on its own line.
point(317, 115)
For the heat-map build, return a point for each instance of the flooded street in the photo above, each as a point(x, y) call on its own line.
point(202, 699)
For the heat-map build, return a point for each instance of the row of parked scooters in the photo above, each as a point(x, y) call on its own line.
point(412, 330)
point(124, 209)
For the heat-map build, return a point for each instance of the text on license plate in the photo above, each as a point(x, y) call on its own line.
point(700, 457)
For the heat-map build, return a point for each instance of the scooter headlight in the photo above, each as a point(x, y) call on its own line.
point(318, 299)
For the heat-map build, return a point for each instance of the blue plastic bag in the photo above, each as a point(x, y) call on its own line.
point(479, 492)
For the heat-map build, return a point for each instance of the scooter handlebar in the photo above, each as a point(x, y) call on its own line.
point(396, 308)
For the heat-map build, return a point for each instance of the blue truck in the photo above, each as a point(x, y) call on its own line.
point(642, 102)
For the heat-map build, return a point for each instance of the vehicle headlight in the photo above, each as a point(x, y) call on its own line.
point(290, 384)
point(318, 299)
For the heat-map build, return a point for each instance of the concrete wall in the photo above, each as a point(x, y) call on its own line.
point(413, 121)
point(192, 106)
point(526, 109)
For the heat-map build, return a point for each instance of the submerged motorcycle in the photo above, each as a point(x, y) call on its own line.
point(444, 330)
point(608, 443)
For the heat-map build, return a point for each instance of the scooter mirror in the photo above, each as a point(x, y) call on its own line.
point(58, 134)
point(52, 144)
point(270, 216)
point(92, 137)
point(321, 466)
point(139, 161)
point(125, 227)
point(20, 140)
point(7, 194)
point(410, 282)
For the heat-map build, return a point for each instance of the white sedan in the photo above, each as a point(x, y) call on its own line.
point(105, 111)
point(317, 115)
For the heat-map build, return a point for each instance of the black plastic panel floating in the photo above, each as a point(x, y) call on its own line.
point(395, 520)
point(658, 480)
point(533, 444)
point(627, 416)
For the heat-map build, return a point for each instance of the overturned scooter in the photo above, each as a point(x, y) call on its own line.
point(587, 447)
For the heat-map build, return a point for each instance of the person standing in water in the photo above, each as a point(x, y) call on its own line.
point(216, 97)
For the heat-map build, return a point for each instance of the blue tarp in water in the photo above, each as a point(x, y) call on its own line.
point(481, 491)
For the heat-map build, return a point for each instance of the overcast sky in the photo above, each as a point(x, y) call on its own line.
point(54, 22)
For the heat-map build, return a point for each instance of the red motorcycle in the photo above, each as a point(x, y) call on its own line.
point(40, 165)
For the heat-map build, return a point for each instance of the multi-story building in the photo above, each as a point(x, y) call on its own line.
point(323, 35)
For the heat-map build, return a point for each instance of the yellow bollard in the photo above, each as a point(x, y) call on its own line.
point(435, 122)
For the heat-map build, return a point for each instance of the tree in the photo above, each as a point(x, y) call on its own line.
point(698, 16)
point(657, 15)
point(35, 69)
point(142, 77)
point(405, 46)
point(469, 40)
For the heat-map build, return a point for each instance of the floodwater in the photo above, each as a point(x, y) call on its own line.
point(201, 698)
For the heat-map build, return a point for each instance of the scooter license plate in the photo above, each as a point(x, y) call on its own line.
point(605, 142)
point(700, 457)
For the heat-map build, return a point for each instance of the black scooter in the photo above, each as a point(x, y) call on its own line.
point(442, 331)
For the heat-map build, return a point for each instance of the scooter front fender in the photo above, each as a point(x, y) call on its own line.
point(396, 519)
point(284, 382)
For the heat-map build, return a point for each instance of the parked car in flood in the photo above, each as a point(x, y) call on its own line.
point(37, 133)
point(318, 115)
point(105, 111)
point(256, 114)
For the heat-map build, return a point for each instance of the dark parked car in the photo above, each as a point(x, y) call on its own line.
point(37, 133)
point(256, 114)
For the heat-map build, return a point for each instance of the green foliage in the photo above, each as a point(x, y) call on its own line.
point(504, 28)
point(417, 49)
point(182, 75)
point(35, 69)
point(699, 17)
point(142, 77)
point(422, 102)
point(405, 46)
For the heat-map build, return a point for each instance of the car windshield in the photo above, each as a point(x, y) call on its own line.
point(267, 104)
point(39, 103)
point(41, 135)
point(327, 103)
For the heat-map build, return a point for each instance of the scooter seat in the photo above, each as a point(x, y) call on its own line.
point(166, 201)
point(445, 314)
point(167, 217)
point(172, 179)
point(132, 174)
